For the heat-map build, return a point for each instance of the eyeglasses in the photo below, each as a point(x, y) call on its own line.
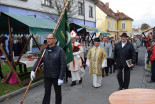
point(49, 38)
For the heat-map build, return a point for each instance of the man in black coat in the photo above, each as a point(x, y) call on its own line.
point(124, 51)
point(54, 69)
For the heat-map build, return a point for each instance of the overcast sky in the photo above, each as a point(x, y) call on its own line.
point(142, 11)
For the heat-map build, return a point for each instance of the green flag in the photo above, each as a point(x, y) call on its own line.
point(63, 37)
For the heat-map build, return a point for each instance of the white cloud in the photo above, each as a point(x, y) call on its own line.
point(140, 10)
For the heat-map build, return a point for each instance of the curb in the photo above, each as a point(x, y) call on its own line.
point(9, 95)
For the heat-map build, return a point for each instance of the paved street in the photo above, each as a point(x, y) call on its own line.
point(86, 93)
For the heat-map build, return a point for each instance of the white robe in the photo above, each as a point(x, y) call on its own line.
point(97, 80)
point(75, 70)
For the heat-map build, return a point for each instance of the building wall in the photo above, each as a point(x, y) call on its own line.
point(101, 20)
point(112, 29)
point(87, 4)
point(36, 6)
point(128, 26)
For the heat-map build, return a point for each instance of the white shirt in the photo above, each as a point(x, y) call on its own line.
point(123, 44)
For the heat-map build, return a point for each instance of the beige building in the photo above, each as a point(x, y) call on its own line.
point(114, 23)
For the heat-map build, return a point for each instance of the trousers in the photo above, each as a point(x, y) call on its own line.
point(123, 82)
point(48, 82)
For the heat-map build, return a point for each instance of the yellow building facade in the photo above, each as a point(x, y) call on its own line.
point(109, 21)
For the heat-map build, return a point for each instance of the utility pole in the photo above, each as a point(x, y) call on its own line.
point(84, 10)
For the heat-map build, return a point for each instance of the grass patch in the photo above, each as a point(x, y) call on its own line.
point(7, 88)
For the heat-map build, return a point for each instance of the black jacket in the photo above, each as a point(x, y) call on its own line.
point(123, 54)
point(54, 62)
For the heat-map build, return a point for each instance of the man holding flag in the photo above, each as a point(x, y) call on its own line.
point(55, 60)
point(54, 69)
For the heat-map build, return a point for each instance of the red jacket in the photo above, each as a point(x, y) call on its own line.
point(152, 57)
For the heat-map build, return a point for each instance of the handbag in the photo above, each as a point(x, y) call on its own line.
point(13, 79)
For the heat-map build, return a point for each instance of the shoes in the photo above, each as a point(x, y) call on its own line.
point(120, 88)
point(73, 83)
point(80, 81)
point(150, 81)
point(3, 80)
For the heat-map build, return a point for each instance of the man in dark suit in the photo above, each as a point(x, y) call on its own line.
point(124, 51)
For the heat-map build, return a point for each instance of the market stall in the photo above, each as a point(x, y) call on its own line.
point(19, 24)
point(84, 32)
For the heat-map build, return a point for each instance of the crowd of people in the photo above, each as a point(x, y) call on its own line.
point(102, 57)
point(149, 43)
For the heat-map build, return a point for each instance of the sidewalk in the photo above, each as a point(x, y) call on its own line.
point(86, 93)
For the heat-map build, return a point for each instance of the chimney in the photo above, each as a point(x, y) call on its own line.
point(107, 4)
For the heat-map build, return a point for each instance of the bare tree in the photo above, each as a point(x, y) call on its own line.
point(57, 8)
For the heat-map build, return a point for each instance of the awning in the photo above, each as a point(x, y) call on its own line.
point(105, 34)
point(88, 28)
point(21, 24)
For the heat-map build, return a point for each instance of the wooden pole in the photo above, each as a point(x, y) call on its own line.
point(31, 80)
point(19, 57)
point(10, 40)
point(61, 16)
point(12, 68)
point(23, 50)
point(45, 49)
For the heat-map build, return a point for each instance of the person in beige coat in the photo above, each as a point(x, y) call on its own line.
point(96, 61)
point(76, 64)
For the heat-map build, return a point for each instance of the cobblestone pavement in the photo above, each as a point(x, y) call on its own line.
point(86, 93)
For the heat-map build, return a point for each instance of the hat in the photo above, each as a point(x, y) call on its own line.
point(96, 40)
point(124, 34)
point(73, 34)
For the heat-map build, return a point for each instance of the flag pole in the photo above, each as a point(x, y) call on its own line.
point(61, 15)
point(45, 49)
point(31, 80)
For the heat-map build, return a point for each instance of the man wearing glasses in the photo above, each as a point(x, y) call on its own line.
point(54, 69)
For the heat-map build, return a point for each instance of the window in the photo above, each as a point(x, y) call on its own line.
point(115, 26)
point(80, 8)
point(112, 24)
point(108, 24)
point(47, 3)
point(90, 11)
point(123, 25)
